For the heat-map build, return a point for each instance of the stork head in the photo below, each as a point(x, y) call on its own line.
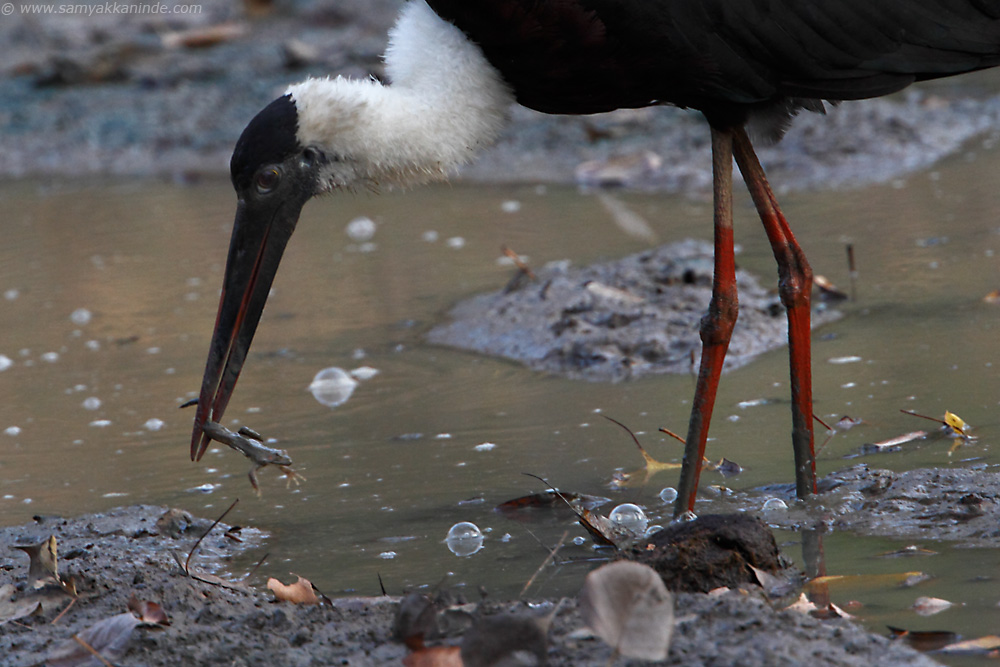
point(274, 175)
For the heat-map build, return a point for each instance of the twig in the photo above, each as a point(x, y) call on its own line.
point(56, 619)
point(524, 268)
point(673, 435)
point(852, 270)
point(821, 422)
point(93, 651)
point(548, 559)
point(187, 563)
point(255, 567)
point(917, 414)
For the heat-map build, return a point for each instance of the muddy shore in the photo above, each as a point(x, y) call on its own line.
point(217, 618)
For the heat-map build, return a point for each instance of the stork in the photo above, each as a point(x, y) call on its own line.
point(456, 66)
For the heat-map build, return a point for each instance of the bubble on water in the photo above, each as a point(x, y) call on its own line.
point(204, 488)
point(153, 424)
point(12, 430)
point(456, 242)
point(652, 530)
point(507, 537)
point(50, 357)
point(101, 423)
point(91, 403)
point(332, 386)
point(774, 505)
point(92, 345)
point(11, 294)
point(430, 236)
point(668, 494)
point(5, 362)
point(80, 316)
point(630, 517)
point(579, 541)
point(361, 229)
point(510, 206)
point(485, 447)
point(387, 555)
point(364, 373)
point(464, 539)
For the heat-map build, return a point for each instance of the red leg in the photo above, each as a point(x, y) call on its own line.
point(716, 325)
point(795, 279)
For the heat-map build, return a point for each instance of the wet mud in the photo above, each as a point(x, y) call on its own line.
point(218, 618)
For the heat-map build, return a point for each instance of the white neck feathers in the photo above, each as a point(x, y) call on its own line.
point(445, 104)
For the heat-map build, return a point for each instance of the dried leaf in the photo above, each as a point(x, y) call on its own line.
point(601, 530)
point(924, 640)
point(149, 613)
point(44, 567)
point(626, 604)
point(11, 609)
point(956, 423)
point(806, 606)
point(301, 592)
point(993, 297)
point(928, 606)
point(901, 579)
point(774, 587)
point(435, 656)
point(516, 507)
point(892, 444)
point(990, 645)
point(109, 638)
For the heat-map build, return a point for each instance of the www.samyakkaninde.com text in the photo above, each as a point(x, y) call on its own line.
point(87, 9)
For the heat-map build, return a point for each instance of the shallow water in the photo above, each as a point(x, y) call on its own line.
point(109, 295)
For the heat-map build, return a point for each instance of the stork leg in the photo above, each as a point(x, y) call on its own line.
point(716, 325)
point(795, 280)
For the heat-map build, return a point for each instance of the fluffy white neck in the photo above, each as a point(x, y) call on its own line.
point(445, 104)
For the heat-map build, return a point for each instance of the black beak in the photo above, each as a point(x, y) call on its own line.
point(260, 234)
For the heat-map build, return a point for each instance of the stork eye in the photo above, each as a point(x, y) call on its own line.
point(267, 180)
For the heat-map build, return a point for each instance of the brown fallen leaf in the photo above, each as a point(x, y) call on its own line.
point(108, 638)
point(435, 656)
point(993, 297)
point(43, 568)
point(148, 613)
point(892, 444)
point(626, 604)
point(12, 609)
point(924, 640)
point(301, 592)
point(549, 500)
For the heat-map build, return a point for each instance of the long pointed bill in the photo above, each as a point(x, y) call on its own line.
point(255, 249)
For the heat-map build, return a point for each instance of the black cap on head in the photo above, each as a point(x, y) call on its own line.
point(269, 138)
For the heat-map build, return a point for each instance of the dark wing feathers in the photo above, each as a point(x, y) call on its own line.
point(727, 58)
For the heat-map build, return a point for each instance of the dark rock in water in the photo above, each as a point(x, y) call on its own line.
point(712, 551)
point(635, 316)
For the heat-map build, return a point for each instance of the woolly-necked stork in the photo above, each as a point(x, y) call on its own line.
point(456, 66)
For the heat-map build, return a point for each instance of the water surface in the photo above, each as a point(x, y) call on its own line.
point(109, 295)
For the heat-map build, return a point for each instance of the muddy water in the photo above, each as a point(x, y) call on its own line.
point(109, 293)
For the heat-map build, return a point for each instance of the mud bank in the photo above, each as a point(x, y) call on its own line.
point(130, 552)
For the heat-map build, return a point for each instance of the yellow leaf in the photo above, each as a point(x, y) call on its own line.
point(955, 422)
